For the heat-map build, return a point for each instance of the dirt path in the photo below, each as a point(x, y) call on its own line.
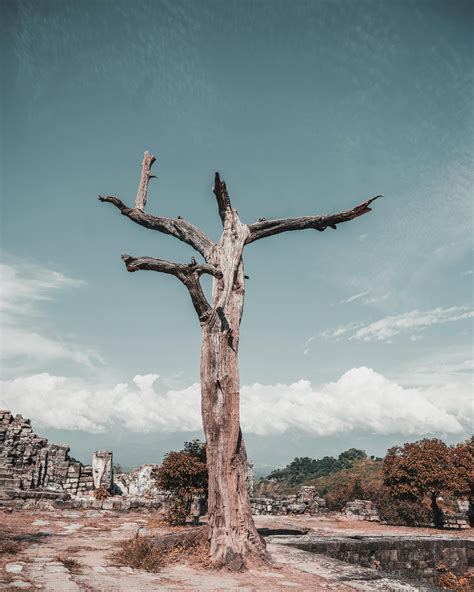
point(70, 550)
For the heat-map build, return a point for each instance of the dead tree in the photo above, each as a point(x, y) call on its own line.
point(234, 540)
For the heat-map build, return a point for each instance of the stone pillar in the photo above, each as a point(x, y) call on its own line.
point(102, 472)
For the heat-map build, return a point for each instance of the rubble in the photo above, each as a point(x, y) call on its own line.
point(306, 501)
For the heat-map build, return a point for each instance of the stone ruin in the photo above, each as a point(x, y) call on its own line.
point(306, 501)
point(37, 473)
point(362, 510)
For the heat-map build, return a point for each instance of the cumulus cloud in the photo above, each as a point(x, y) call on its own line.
point(23, 288)
point(360, 400)
point(390, 326)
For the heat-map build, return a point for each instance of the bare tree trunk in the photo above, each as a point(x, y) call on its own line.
point(234, 538)
point(233, 534)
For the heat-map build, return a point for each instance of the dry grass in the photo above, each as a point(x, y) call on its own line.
point(72, 565)
point(160, 522)
point(77, 549)
point(101, 493)
point(141, 553)
point(9, 548)
point(138, 553)
point(197, 556)
point(98, 525)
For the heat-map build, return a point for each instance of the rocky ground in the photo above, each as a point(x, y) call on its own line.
point(71, 550)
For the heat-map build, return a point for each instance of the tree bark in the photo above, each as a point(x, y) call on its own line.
point(233, 536)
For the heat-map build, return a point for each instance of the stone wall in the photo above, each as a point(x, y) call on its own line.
point(415, 557)
point(33, 468)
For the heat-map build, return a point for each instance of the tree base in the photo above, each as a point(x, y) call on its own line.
point(193, 538)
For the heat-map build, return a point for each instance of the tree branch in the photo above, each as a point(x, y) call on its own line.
point(266, 228)
point(142, 193)
point(177, 227)
point(222, 197)
point(188, 274)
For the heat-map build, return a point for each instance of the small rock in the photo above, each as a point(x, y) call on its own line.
point(20, 584)
point(100, 569)
point(40, 522)
point(72, 527)
point(13, 567)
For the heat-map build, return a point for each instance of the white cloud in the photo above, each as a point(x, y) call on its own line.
point(360, 400)
point(23, 288)
point(393, 325)
point(341, 330)
point(355, 297)
point(24, 284)
point(374, 299)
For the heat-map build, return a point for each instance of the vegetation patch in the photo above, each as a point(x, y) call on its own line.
point(72, 565)
point(138, 553)
point(144, 553)
point(101, 493)
point(9, 548)
point(449, 581)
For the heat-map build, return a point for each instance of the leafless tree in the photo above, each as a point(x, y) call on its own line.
point(234, 540)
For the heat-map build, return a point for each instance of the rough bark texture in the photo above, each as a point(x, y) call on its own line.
point(233, 536)
point(142, 193)
point(234, 540)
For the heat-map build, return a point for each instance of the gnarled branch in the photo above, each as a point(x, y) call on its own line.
point(179, 228)
point(266, 228)
point(142, 193)
point(188, 274)
point(222, 197)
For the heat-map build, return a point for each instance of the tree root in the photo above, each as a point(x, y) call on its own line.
point(184, 538)
point(196, 538)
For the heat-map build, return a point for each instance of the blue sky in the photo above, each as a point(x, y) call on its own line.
point(357, 336)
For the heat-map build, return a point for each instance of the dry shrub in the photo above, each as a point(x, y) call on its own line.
point(177, 512)
point(138, 553)
point(448, 580)
point(72, 565)
point(98, 524)
point(9, 548)
point(101, 493)
point(142, 553)
point(161, 522)
point(77, 548)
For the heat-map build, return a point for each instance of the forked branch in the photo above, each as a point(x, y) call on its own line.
point(188, 274)
point(266, 228)
point(177, 227)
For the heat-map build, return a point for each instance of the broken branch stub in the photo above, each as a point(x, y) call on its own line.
point(142, 193)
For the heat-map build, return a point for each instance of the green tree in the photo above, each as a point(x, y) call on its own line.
point(347, 458)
